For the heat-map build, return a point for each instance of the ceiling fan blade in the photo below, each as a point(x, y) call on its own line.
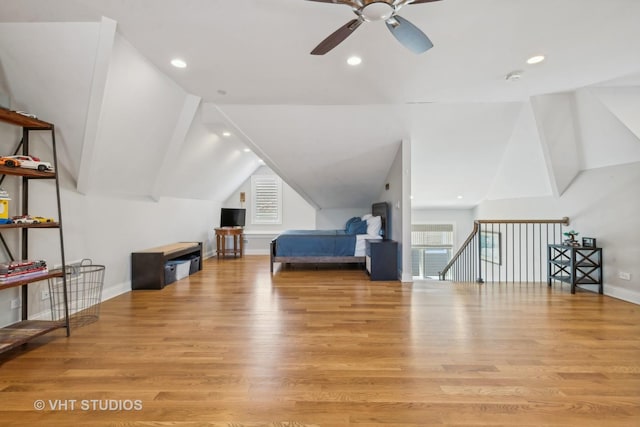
point(401, 3)
point(336, 37)
point(347, 2)
point(408, 34)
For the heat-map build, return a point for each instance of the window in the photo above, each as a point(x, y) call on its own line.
point(431, 247)
point(266, 194)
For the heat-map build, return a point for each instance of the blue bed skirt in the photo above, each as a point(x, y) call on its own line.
point(316, 243)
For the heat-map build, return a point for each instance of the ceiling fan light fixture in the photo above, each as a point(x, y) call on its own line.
point(377, 11)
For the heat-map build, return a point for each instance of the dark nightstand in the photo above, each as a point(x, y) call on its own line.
point(382, 259)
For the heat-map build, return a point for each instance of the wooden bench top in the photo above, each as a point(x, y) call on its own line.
point(173, 247)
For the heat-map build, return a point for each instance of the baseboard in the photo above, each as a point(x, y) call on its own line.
point(623, 294)
point(256, 252)
point(406, 278)
point(115, 290)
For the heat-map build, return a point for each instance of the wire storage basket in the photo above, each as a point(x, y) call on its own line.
point(84, 293)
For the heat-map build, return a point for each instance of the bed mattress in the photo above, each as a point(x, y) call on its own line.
point(315, 243)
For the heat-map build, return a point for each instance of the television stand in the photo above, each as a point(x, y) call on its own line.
point(237, 233)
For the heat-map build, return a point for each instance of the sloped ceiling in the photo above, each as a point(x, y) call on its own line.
point(29, 67)
point(612, 117)
point(328, 128)
point(326, 151)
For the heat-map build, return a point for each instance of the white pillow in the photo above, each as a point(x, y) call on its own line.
point(374, 224)
point(366, 217)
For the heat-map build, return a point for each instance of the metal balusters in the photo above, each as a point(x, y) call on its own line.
point(501, 249)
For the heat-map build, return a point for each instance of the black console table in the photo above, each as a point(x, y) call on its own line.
point(576, 265)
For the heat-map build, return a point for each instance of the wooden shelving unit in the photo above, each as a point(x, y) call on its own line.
point(21, 332)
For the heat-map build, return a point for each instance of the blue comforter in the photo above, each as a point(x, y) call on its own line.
point(293, 243)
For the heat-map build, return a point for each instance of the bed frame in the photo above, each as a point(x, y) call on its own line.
point(377, 209)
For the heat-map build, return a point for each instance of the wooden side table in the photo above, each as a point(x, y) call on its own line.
point(221, 241)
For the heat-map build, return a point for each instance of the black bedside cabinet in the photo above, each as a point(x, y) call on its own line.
point(382, 259)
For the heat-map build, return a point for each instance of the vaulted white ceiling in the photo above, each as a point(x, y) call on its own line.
point(331, 130)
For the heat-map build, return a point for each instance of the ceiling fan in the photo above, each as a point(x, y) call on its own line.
point(404, 31)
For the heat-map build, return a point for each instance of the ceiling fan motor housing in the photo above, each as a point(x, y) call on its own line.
point(376, 10)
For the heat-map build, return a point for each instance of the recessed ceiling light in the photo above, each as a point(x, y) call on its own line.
point(247, 150)
point(354, 60)
point(178, 63)
point(460, 197)
point(226, 133)
point(535, 59)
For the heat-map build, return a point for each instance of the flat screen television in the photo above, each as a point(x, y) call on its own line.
point(230, 217)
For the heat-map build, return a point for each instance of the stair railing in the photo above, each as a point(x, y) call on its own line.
point(505, 250)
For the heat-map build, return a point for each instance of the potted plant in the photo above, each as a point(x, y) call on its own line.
point(571, 238)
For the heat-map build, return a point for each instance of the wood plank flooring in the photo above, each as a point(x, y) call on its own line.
point(235, 346)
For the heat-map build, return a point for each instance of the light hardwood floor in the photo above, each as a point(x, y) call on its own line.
point(234, 346)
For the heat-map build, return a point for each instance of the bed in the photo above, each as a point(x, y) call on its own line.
point(332, 246)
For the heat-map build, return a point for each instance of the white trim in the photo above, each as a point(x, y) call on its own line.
point(406, 278)
point(262, 233)
point(622, 293)
point(256, 252)
point(116, 290)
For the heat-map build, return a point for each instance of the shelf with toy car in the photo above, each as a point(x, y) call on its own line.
point(23, 221)
point(40, 225)
point(28, 173)
point(26, 121)
point(18, 161)
point(24, 161)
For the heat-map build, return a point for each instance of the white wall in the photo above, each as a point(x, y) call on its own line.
point(141, 105)
point(104, 228)
point(297, 214)
point(601, 203)
point(336, 219)
point(398, 195)
point(522, 170)
point(135, 125)
point(555, 117)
